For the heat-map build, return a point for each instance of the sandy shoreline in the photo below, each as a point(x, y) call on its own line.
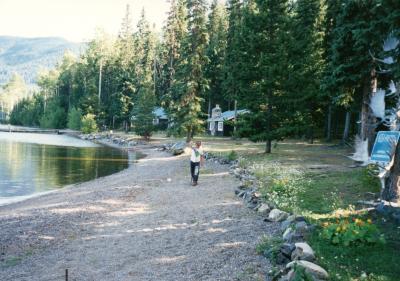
point(143, 223)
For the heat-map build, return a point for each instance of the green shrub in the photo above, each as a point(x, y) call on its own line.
point(300, 274)
point(53, 118)
point(269, 247)
point(74, 119)
point(232, 156)
point(89, 124)
point(346, 232)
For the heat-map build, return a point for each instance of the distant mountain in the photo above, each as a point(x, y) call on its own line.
point(27, 55)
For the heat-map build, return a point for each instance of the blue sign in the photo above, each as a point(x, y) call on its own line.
point(384, 146)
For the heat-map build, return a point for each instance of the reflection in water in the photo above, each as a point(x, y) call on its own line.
point(28, 168)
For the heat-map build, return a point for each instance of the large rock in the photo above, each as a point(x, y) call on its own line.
point(281, 258)
point(302, 228)
point(288, 234)
point(303, 251)
point(264, 209)
point(277, 215)
point(287, 249)
point(286, 223)
point(178, 148)
point(311, 268)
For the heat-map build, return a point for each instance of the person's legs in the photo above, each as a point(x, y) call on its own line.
point(192, 168)
point(196, 172)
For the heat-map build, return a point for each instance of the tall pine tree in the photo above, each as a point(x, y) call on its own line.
point(217, 28)
point(145, 98)
point(190, 84)
point(265, 70)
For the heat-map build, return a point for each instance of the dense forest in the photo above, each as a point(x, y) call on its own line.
point(304, 68)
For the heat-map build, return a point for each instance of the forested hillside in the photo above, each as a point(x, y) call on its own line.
point(26, 56)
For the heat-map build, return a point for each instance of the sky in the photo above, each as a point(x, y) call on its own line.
point(75, 20)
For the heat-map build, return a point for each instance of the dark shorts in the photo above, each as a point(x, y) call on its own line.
point(195, 170)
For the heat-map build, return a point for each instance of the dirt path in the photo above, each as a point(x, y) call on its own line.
point(145, 223)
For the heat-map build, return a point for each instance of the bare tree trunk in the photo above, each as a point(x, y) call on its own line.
point(311, 134)
point(365, 112)
point(189, 136)
point(391, 191)
point(346, 127)
point(367, 119)
point(268, 127)
point(268, 146)
point(209, 107)
point(329, 124)
point(235, 122)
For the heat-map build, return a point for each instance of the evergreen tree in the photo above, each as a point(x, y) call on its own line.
point(28, 111)
point(175, 33)
point(74, 119)
point(143, 113)
point(217, 29)
point(233, 54)
point(265, 70)
point(145, 98)
point(352, 69)
point(190, 84)
point(306, 65)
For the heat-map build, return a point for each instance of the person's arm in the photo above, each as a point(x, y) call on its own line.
point(202, 159)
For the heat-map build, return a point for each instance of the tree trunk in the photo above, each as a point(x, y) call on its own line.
point(311, 134)
point(209, 106)
point(268, 146)
point(268, 127)
point(346, 127)
point(329, 125)
point(189, 136)
point(391, 190)
point(367, 119)
point(235, 122)
point(365, 112)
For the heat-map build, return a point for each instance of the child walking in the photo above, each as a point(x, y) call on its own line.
point(196, 158)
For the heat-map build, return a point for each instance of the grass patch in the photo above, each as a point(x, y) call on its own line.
point(335, 190)
point(269, 247)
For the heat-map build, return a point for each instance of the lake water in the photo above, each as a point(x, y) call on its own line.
point(31, 164)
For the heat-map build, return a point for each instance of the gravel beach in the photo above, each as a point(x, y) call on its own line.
point(144, 223)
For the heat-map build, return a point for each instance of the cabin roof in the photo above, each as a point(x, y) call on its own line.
point(159, 112)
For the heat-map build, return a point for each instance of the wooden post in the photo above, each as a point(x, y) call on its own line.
point(329, 124)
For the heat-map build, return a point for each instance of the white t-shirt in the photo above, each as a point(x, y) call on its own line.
point(196, 154)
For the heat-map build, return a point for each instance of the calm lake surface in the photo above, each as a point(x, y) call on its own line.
point(34, 163)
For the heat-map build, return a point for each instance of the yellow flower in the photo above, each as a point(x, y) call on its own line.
point(369, 221)
point(359, 222)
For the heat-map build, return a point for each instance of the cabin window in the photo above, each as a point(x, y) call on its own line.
point(212, 125)
point(220, 126)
